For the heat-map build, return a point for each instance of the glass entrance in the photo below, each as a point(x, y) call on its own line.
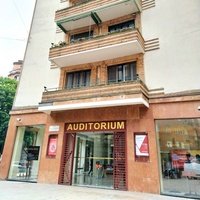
point(93, 159)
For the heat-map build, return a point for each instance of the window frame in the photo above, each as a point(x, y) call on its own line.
point(80, 36)
point(79, 79)
point(122, 25)
point(120, 72)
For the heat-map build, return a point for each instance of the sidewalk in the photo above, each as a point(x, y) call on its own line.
point(35, 191)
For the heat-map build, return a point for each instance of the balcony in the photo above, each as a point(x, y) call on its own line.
point(118, 94)
point(94, 12)
point(103, 47)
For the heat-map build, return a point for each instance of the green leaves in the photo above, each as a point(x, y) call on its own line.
point(7, 93)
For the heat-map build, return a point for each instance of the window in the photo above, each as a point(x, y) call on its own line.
point(79, 36)
point(77, 2)
point(179, 141)
point(16, 77)
point(122, 72)
point(78, 79)
point(26, 154)
point(123, 25)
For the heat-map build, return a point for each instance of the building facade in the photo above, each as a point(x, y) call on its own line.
point(16, 70)
point(109, 97)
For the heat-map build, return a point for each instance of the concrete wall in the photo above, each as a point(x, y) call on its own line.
point(36, 72)
point(175, 66)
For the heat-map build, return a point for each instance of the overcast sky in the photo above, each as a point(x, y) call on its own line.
point(15, 19)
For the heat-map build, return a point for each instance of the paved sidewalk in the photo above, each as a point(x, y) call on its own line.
point(35, 191)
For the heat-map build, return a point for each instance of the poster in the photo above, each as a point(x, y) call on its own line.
point(178, 157)
point(141, 145)
point(33, 153)
point(52, 146)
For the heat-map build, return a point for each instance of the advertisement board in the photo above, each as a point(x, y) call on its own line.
point(141, 145)
point(52, 146)
point(33, 153)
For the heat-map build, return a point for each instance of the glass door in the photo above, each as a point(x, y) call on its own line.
point(93, 159)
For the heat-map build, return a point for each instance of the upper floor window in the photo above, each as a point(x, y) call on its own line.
point(16, 77)
point(78, 79)
point(79, 36)
point(122, 72)
point(123, 25)
point(76, 2)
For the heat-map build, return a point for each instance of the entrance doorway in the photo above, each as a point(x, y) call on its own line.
point(94, 159)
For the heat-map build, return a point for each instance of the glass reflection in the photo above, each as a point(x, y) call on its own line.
point(25, 159)
point(180, 156)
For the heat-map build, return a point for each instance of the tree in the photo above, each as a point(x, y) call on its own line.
point(7, 93)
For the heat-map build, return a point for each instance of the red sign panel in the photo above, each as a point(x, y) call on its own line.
point(52, 146)
point(178, 157)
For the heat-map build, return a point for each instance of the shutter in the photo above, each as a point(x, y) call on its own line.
point(119, 161)
point(67, 159)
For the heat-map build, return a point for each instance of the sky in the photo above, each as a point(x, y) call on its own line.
point(15, 20)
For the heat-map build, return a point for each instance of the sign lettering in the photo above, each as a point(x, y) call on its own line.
point(94, 126)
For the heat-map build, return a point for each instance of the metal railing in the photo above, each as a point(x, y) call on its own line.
point(136, 79)
point(105, 91)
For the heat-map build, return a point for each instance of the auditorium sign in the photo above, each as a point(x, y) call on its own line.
point(96, 126)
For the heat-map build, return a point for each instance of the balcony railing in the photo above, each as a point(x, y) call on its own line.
point(131, 92)
point(94, 12)
point(102, 47)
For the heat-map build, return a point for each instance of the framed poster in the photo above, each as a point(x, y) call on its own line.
point(141, 146)
point(33, 152)
point(52, 145)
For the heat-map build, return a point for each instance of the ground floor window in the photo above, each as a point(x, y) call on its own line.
point(26, 154)
point(180, 156)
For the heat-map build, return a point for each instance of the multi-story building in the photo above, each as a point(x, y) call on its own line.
point(16, 70)
point(109, 97)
